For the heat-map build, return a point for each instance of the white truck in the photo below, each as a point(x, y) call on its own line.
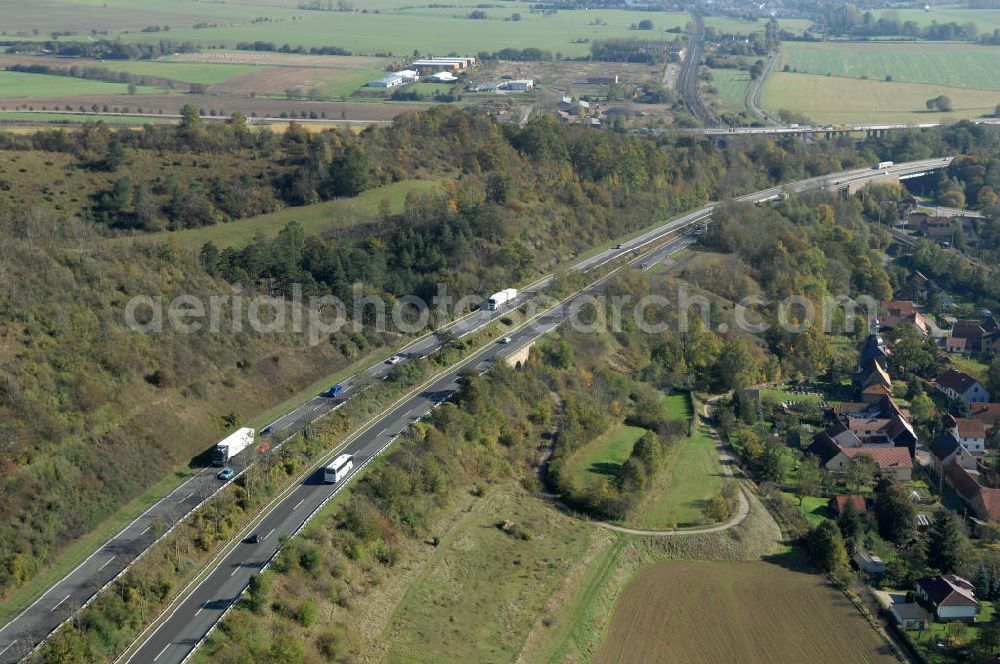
point(497, 300)
point(232, 445)
point(882, 165)
point(338, 469)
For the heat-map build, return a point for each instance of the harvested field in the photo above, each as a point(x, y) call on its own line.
point(736, 612)
point(225, 105)
point(328, 82)
point(273, 59)
point(836, 99)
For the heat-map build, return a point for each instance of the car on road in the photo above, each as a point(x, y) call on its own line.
point(619, 246)
point(393, 360)
point(505, 340)
point(333, 391)
point(255, 538)
point(643, 266)
point(265, 431)
point(226, 474)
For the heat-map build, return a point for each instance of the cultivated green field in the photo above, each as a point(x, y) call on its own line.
point(752, 612)
point(732, 85)
point(987, 20)
point(314, 218)
point(345, 83)
point(15, 84)
point(730, 25)
point(396, 28)
point(604, 456)
point(952, 64)
point(186, 72)
point(834, 99)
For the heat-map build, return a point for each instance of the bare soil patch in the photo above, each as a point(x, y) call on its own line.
point(692, 611)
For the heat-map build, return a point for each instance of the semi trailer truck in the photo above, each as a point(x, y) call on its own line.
point(232, 445)
point(497, 300)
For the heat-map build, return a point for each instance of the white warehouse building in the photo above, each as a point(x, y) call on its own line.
point(390, 81)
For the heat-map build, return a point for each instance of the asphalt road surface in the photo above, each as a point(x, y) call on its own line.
point(204, 607)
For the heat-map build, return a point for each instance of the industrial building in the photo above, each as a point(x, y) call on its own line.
point(443, 64)
point(390, 81)
point(525, 85)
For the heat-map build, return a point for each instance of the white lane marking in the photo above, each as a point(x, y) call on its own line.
point(145, 531)
point(188, 496)
point(269, 534)
point(111, 560)
point(8, 646)
point(161, 652)
point(199, 611)
point(298, 504)
point(59, 603)
point(236, 569)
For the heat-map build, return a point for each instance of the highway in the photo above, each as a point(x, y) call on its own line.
point(194, 616)
point(204, 606)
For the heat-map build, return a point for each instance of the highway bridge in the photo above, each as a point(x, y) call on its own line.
point(198, 608)
point(828, 131)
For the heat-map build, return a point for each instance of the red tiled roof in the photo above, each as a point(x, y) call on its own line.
point(900, 307)
point(991, 502)
point(969, 428)
point(857, 424)
point(988, 413)
point(955, 343)
point(887, 458)
point(839, 503)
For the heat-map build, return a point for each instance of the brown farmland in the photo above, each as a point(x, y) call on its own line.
point(750, 612)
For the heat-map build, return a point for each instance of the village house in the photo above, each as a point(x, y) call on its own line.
point(960, 385)
point(950, 597)
point(946, 449)
point(903, 312)
point(983, 501)
point(987, 413)
point(957, 345)
point(891, 462)
point(910, 615)
point(868, 563)
point(971, 434)
point(838, 504)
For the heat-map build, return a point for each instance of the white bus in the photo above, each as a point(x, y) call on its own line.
point(339, 469)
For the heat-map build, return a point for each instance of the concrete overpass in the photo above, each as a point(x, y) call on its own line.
point(869, 130)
